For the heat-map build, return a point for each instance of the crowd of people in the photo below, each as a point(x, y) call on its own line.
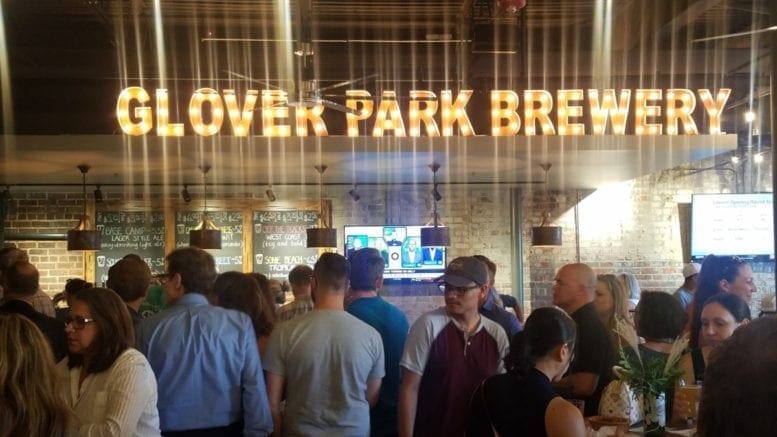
point(223, 358)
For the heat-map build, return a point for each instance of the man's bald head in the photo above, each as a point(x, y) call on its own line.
point(22, 279)
point(574, 286)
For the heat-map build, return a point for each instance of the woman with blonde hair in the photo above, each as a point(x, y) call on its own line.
point(31, 403)
point(611, 301)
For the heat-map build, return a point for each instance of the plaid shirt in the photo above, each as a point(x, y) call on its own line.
point(301, 305)
point(43, 304)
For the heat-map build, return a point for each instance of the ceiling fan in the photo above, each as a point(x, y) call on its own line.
point(736, 34)
point(307, 93)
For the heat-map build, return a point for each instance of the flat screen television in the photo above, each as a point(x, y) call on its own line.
point(400, 246)
point(732, 224)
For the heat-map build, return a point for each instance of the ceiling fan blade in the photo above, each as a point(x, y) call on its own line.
point(325, 103)
point(336, 106)
point(250, 79)
point(347, 82)
point(736, 34)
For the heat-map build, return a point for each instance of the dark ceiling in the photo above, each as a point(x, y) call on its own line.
point(68, 59)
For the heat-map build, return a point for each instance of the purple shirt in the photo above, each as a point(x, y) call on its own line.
point(452, 367)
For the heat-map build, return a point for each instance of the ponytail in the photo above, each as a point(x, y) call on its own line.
point(545, 329)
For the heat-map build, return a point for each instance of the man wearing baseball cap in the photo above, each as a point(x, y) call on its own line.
point(448, 353)
point(685, 293)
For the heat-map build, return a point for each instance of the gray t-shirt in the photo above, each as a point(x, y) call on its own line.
point(325, 357)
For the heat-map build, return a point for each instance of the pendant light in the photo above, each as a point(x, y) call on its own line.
point(544, 234)
point(206, 235)
point(82, 237)
point(325, 236)
point(435, 235)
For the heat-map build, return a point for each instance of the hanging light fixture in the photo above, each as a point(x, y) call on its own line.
point(270, 194)
point(325, 236)
point(206, 235)
point(187, 197)
point(355, 196)
point(544, 234)
point(7, 204)
point(6, 195)
point(82, 237)
point(98, 195)
point(435, 235)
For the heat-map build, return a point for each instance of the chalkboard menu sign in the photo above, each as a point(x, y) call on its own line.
point(230, 257)
point(122, 232)
point(280, 241)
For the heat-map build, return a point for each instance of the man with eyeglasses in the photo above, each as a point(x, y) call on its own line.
point(448, 353)
point(205, 358)
point(22, 282)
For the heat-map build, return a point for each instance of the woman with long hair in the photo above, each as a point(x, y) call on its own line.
point(31, 403)
point(611, 300)
point(240, 291)
point(719, 274)
point(270, 309)
point(109, 385)
point(720, 316)
point(522, 401)
point(740, 384)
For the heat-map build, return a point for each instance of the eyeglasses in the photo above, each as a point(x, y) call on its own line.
point(459, 291)
point(78, 323)
point(163, 277)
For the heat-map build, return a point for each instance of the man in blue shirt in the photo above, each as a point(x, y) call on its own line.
point(205, 358)
point(366, 278)
point(489, 306)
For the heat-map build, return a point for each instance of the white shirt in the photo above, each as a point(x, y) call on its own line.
point(120, 401)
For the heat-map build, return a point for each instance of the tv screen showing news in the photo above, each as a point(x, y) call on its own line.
point(400, 247)
point(732, 224)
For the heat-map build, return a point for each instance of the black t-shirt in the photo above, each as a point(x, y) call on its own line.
point(52, 329)
point(593, 353)
point(512, 404)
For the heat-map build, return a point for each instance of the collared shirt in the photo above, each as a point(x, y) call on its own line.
point(207, 366)
point(43, 304)
point(301, 305)
point(685, 297)
point(120, 400)
point(508, 321)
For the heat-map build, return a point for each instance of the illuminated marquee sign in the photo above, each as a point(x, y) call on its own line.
point(672, 107)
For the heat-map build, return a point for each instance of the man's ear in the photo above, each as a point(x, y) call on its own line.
point(379, 283)
point(483, 291)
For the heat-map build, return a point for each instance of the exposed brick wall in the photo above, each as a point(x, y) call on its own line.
point(48, 213)
point(632, 226)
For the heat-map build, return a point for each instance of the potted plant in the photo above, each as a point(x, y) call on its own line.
point(649, 378)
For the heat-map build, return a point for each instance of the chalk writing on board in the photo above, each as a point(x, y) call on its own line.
point(123, 232)
point(230, 256)
point(280, 241)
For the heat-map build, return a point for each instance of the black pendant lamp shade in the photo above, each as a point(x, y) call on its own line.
point(206, 235)
point(322, 237)
point(325, 237)
point(544, 234)
point(435, 235)
point(82, 237)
